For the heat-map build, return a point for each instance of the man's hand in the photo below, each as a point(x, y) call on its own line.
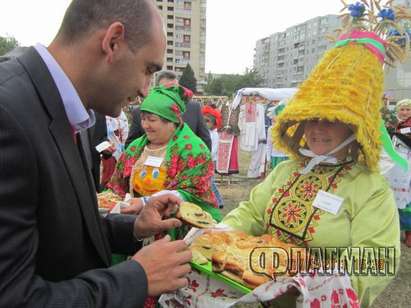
point(150, 221)
point(109, 151)
point(165, 264)
point(134, 208)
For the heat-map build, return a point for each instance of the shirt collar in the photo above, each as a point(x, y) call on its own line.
point(78, 116)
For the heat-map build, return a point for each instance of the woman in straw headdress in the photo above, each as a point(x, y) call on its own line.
point(330, 130)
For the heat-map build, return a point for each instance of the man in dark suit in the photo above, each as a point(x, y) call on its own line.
point(193, 115)
point(55, 248)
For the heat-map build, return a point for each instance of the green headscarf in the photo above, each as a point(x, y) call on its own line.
point(166, 103)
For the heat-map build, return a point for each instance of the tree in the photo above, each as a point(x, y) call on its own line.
point(214, 87)
point(227, 84)
point(188, 79)
point(7, 44)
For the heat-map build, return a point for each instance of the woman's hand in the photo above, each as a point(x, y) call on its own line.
point(134, 208)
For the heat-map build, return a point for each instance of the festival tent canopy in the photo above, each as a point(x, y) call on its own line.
point(267, 93)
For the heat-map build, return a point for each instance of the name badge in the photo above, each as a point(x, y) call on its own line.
point(406, 130)
point(103, 146)
point(328, 202)
point(154, 161)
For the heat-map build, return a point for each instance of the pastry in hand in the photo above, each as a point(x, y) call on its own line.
point(107, 200)
point(194, 215)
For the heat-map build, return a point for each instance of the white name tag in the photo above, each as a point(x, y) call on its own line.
point(103, 146)
point(328, 202)
point(406, 130)
point(154, 161)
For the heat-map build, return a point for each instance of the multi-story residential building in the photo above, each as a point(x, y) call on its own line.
point(185, 23)
point(398, 79)
point(284, 59)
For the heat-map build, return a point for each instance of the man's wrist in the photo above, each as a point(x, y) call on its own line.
point(136, 237)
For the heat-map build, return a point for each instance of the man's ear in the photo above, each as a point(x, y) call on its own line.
point(112, 40)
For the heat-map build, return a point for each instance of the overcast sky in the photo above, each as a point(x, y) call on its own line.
point(233, 26)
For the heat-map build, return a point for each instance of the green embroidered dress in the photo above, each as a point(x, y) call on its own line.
point(282, 205)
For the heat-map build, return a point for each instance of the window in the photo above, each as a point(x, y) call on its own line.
point(187, 22)
point(169, 59)
point(186, 55)
point(170, 34)
point(295, 61)
point(170, 17)
point(187, 5)
point(170, 43)
point(170, 1)
point(169, 51)
point(170, 26)
point(170, 67)
point(186, 39)
point(160, 7)
point(170, 8)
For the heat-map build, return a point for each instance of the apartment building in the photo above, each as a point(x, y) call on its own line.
point(284, 59)
point(185, 25)
point(397, 83)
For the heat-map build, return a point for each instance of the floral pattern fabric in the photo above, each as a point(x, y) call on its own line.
point(316, 291)
point(188, 164)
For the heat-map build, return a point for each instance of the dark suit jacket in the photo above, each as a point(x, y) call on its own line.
point(193, 117)
point(55, 248)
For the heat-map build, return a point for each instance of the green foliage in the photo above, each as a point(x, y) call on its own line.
point(7, 44)
point(188, 79)
point(227, 84)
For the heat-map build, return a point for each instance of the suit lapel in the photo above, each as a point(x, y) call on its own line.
point(61, 132)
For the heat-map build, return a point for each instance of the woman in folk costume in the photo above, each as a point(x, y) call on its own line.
point(213, 119)
point(117, 132)
point(330, 130)
point(169, 157)
point(400, 179)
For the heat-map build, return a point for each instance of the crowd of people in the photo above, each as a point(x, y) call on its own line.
point(57, 109)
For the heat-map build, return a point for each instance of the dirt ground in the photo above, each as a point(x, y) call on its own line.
point(397, 294)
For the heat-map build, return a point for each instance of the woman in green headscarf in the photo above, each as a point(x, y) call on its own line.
point(169, 157)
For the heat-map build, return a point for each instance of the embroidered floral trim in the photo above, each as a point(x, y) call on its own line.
point(292, 217)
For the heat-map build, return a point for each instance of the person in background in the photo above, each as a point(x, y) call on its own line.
point(192, 116)
point(399, 179)
point(117, 132)
point(213, 120)
point(168, 157)
point(388, 116)
point(274, 156)
point(55, 247)
point(96, 135)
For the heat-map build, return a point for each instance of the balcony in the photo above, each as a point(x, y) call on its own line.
point(182, 45)
point(183, 28)
point(182, 62)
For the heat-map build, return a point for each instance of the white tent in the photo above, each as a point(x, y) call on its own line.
point(268, 93)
